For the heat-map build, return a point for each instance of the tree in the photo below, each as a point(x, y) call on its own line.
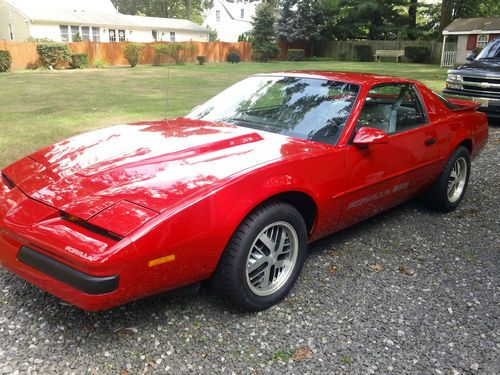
point(190, 9)
point(264, 42)
point(412, 20)
point(301, 20)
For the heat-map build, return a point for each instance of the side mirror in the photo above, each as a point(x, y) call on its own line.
point(471, 56)
point(370, 136)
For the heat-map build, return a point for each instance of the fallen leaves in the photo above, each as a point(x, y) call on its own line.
point(302, 354)
point(405, 270)
point(333, 269)
point(376, 267)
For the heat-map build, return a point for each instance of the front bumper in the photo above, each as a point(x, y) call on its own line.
point(489, 105)
point(59, 257)
point(93, 285)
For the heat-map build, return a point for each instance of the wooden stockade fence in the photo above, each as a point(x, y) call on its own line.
point(25, 54)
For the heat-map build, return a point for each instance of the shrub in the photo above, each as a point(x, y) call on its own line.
point(53, 55)
point(201, 60)
point(5, 61)
point(161, 50)
point(79, 61)
point(296, 55)
point(77, 38)
point(178, 52)
point(364, 52)
point(100, 64)
point(266, 51)
point(417, 54)
point(233, 57)
point(133, 53)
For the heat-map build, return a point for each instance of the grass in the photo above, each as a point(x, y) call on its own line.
point(40, 108)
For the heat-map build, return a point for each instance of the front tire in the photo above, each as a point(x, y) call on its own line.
point(449, 189)
point(264, 257)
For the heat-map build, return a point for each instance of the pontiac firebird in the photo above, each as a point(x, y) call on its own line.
point(232, 193)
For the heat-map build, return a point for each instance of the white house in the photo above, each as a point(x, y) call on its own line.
point(95, 20)
point(231, 19)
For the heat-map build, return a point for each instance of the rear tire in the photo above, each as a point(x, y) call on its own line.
point(264, 257)
point(449, 189)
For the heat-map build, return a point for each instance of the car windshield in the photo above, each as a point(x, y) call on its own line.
point(491, 51)
point(305, 108)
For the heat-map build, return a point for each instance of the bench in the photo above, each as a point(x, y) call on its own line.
point(398, 54)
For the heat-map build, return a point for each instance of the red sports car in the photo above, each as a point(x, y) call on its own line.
point(233, 192)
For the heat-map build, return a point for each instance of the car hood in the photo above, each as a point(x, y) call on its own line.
point(156, 165)
point(490, 68)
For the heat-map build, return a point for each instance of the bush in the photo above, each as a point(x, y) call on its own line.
point(79, 61)
point(201, 60)
point(265, 52)
point(5, 61)
point(133, 53)
point(178, 52)
point(417, 54)
point(364, 52)
point(296, 55)
point(233, 57)
point(161, 50)
point(100, 64)
point(53, 55)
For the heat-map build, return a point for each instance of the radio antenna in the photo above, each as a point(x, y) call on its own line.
point(167, 92)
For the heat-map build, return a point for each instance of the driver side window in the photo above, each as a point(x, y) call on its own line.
point(392, 108)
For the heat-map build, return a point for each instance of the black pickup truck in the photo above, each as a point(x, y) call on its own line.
point(479, 80)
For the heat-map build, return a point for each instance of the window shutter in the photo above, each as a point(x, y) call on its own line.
point(471, 42)
point(493, 36)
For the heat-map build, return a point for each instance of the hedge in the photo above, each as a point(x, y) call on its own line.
point(79, 61)
point(296, 55)
point(364, 52)
point(418, 54)
point(5, 61)
point(53, 55)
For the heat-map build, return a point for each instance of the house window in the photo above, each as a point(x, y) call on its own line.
point(482, 41)
point(155, 35)
point(172, 36)
point(75, 32)
point(242, 13)
point(85, 33)
point(217, 15)
point(121, 35)
point(11, 32)
point(64, 33)
point(112, 35)
point(96, 34)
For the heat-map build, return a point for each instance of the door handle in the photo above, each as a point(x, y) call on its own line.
point(430, 141)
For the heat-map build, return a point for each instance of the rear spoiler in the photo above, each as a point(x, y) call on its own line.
point(463, 105)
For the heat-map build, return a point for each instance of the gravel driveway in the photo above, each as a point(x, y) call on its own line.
point(407, 292)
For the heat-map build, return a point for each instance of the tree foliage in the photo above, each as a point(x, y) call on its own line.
point(264, 36)
point(190, 9)
point(301, 20)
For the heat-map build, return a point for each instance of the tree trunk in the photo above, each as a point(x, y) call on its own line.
point(446, 14)
point(412, 20)
point(187, 7)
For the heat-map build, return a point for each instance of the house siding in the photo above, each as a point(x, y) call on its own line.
point(228, 29)
point(20, 24)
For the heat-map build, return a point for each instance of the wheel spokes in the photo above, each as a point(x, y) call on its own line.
point(271, 258)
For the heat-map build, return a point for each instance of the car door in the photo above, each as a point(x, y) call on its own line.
point(380, 176)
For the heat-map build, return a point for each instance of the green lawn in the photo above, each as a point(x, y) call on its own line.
point(39, 108)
